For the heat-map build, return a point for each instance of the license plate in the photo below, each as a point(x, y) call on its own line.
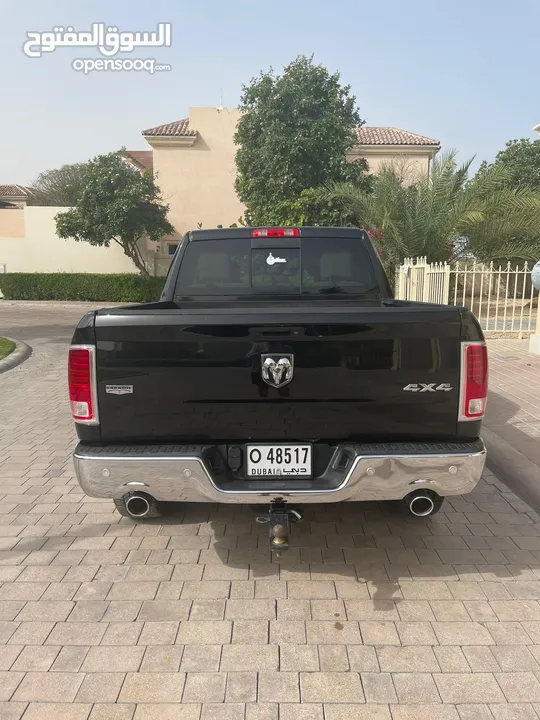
point(279, 460)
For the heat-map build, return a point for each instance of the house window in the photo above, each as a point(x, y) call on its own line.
point(171, 248)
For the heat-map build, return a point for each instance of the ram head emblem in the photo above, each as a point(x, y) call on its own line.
point(277, 370)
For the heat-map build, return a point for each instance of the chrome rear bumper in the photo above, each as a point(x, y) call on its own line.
point(179, 474)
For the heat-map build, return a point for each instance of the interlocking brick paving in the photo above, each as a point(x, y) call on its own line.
point(513, 410)
point(370, 615)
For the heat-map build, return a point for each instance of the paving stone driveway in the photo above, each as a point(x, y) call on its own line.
point(370, 615)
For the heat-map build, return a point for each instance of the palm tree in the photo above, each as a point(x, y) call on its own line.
point(445, 215)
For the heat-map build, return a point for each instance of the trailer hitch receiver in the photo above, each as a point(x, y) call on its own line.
point(278, 519)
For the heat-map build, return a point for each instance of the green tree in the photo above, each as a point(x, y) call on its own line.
point(444, 215)
point(60, 187)
point(521, 160)
point(311, 207)
point(294, 135)
point(116, 204)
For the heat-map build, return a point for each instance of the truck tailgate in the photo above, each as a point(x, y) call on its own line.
point(372, 372)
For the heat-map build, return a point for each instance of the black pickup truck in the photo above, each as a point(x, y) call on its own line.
point(277, 368)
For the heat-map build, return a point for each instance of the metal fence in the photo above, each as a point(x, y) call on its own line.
point(502, 297)
point(422, 281)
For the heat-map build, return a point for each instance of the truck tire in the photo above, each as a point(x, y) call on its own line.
point(153, 512)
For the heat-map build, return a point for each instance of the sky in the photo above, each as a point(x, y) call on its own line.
point(464, 72)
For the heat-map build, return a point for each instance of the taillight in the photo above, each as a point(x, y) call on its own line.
point(275, 232)
point(474, 381)
point(82, 384)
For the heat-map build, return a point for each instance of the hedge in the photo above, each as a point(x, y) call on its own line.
point(80, 286)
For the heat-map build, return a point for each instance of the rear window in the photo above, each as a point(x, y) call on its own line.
point(233, 267)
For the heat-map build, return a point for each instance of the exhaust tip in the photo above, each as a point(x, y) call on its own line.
point(421, 505)
point(137, 506)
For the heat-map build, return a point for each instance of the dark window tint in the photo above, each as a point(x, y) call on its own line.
point(319, 266)
point(336, 265)
point(215, 267)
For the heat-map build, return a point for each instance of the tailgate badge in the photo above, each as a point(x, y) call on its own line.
point(277, 370)
point(119, 389)
point(428, 387)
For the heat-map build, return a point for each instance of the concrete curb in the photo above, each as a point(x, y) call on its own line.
point(19, 355)
point(513, 469)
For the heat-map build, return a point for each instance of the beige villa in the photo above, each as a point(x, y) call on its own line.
point(193, 160)
point(194, 163)
point(14, 196)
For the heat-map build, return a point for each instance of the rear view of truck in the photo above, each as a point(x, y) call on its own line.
point(277, 368)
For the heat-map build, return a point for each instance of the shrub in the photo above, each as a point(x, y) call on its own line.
point(81, 286)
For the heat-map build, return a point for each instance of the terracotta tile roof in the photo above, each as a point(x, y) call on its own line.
point(178, 127)
point(391, 136)
point(366, 135)
point(14, 191)
point(143, 159)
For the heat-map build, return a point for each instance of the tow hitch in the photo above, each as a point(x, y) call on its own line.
point(278, 518)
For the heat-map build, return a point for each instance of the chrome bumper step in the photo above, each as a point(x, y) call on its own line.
point(184, 473)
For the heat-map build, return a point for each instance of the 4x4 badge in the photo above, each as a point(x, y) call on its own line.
point(277, 370)
point(428, 387)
